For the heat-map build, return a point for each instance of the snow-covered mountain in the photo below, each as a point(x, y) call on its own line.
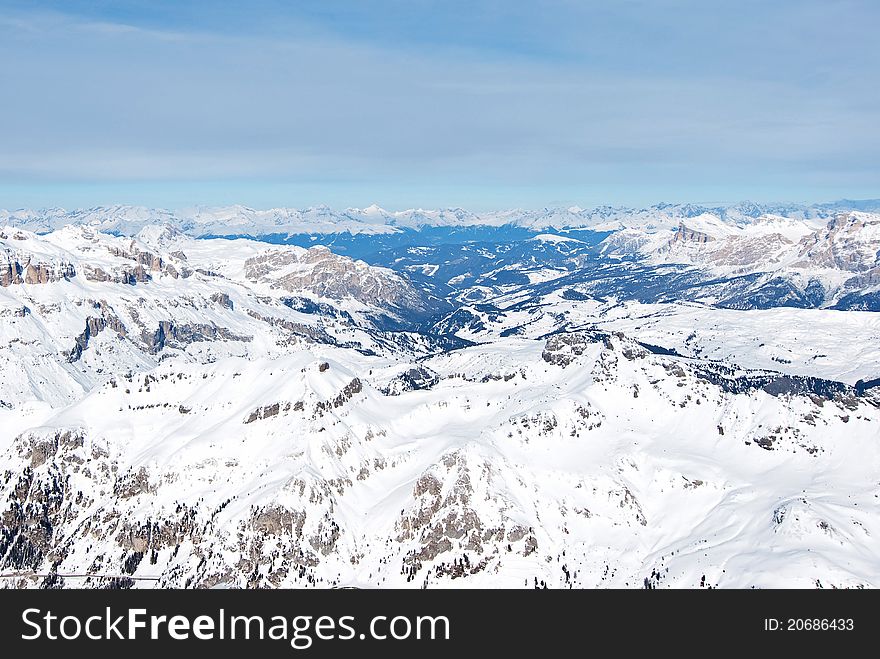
point(241, 220)
point(744, 255)
point(77, 304)
point(837, 262)
point(440, 398)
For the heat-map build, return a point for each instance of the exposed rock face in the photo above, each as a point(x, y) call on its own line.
point(748, 252)
point(95, 273)
point(10, 273)
point(134, 275)
point(744, 251)
point(849, 242)
point(18, 311)
point(268, 411)
point(94, 326)
point(864, 280)
point(444, 523)
point(688, 235)
point(145, 263)
point(222, 299)
point(296, 329)
point(336, 277)
point(40, 499)
point(127, 275)
point(347, 393)
point(563, 349)
point(172, 335)
point(417, 377)
point(68, 474)
point(133, 484)
point(278, 521)
point(14, 271)
point(133, 253)
point(789, 262)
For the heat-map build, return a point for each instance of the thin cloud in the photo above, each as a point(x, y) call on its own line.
point(93, 101)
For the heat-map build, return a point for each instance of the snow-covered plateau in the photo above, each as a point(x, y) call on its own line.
point(677, 396)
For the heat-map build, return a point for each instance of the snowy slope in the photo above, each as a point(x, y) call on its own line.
point(580, 461)
point(237, 413)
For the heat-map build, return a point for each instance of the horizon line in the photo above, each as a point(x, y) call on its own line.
point(377, 208)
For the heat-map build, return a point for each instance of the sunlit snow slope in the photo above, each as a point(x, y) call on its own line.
point(178, 412)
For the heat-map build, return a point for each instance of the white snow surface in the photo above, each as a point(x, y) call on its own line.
point(212, 434)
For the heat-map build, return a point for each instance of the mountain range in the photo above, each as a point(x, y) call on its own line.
point(682, 396)
point(238, 220)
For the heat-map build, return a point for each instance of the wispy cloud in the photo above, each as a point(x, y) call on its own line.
point(92, 99)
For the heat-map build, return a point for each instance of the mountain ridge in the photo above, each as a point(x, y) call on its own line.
point(242, 220)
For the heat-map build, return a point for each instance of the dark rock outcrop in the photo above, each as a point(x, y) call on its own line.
point(170, 334)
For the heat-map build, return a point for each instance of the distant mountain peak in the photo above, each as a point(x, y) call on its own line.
point(321, 219)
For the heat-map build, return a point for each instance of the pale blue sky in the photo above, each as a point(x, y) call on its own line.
point(418, 103)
